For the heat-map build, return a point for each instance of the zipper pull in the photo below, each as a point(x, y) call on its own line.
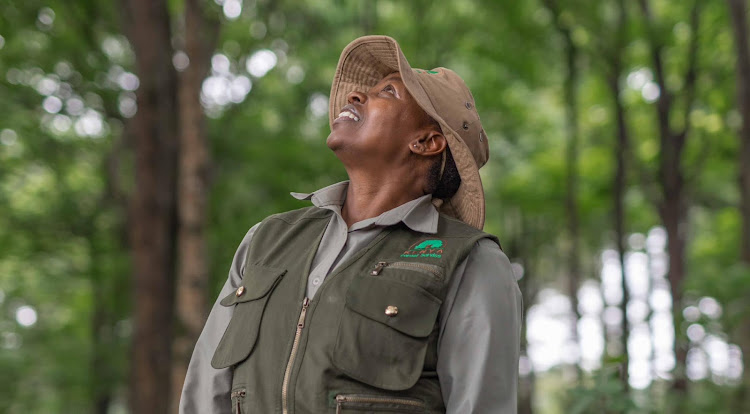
point(378, 268)
point(301, 322)
point(340, 399)
point(238, 395)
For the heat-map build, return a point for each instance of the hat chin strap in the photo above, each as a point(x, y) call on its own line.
point(442, 167)
point(445, 206)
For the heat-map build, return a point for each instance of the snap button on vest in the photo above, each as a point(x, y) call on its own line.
point(240, 291)
point(391, 311)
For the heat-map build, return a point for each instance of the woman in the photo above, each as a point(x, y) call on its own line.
point(385, 295)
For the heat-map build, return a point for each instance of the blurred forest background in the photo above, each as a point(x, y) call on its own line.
point(140, 139)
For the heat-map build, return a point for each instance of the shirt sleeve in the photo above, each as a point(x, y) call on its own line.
point(206, 389)
point(480, 334)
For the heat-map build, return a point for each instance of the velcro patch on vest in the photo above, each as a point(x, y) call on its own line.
point(431, 248)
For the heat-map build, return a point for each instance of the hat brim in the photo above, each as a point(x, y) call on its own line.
point(366, 61)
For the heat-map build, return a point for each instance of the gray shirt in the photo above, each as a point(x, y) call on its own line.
point(480, 319)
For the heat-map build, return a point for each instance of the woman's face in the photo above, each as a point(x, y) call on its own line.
point(376, 127)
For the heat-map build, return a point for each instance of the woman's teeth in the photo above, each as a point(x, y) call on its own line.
point(349, 115)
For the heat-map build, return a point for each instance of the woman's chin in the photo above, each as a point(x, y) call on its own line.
point(336, 141)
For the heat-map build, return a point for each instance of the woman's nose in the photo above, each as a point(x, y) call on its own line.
point(356, 97)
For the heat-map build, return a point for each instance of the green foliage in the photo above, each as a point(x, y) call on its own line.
point(65, 172)
point(601, 393)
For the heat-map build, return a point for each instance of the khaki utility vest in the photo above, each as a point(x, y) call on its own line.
point(366, 342)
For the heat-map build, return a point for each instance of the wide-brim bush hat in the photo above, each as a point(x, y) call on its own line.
point(442, 94)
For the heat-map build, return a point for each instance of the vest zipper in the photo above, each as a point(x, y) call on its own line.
point(342, 399)
point(292, 355)
point(238, 396)
point(431, 270)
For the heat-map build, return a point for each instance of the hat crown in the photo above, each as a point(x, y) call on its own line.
point(452, 104)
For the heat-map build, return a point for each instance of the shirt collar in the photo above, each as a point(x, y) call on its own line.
point(418, 214)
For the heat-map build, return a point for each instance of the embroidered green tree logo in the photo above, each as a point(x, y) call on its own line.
point(427, 248)
point(429, 244)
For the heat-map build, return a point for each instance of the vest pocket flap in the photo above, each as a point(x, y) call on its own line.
point(406, 308)
point(257, 282)
point(242, 332)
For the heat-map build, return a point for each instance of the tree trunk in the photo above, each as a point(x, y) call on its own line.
point(571, 194)
point(673, 205)
point(672, 215)
point(101, 331)
point(738, 15)
point(619, 218)
point(200, 34)
point(571, 164)
point(619, 185)
point(527, 383)
point(153, 209)
point(526, 248)
point(105, 283)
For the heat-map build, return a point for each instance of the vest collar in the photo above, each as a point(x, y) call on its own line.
point(418, 214)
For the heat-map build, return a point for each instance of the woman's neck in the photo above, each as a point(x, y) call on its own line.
point(367, 197)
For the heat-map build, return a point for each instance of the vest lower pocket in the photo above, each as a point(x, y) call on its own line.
point(383, 335)
point(249, 301)
point(358, 403)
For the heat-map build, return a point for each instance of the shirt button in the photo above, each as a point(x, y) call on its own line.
point(240, 291)
point(316, 281)
point(391, 310)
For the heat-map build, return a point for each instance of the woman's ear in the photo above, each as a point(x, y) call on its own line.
point(433, 143)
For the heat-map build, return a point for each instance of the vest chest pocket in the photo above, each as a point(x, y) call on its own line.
point(249, 301)
point(384, 330)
